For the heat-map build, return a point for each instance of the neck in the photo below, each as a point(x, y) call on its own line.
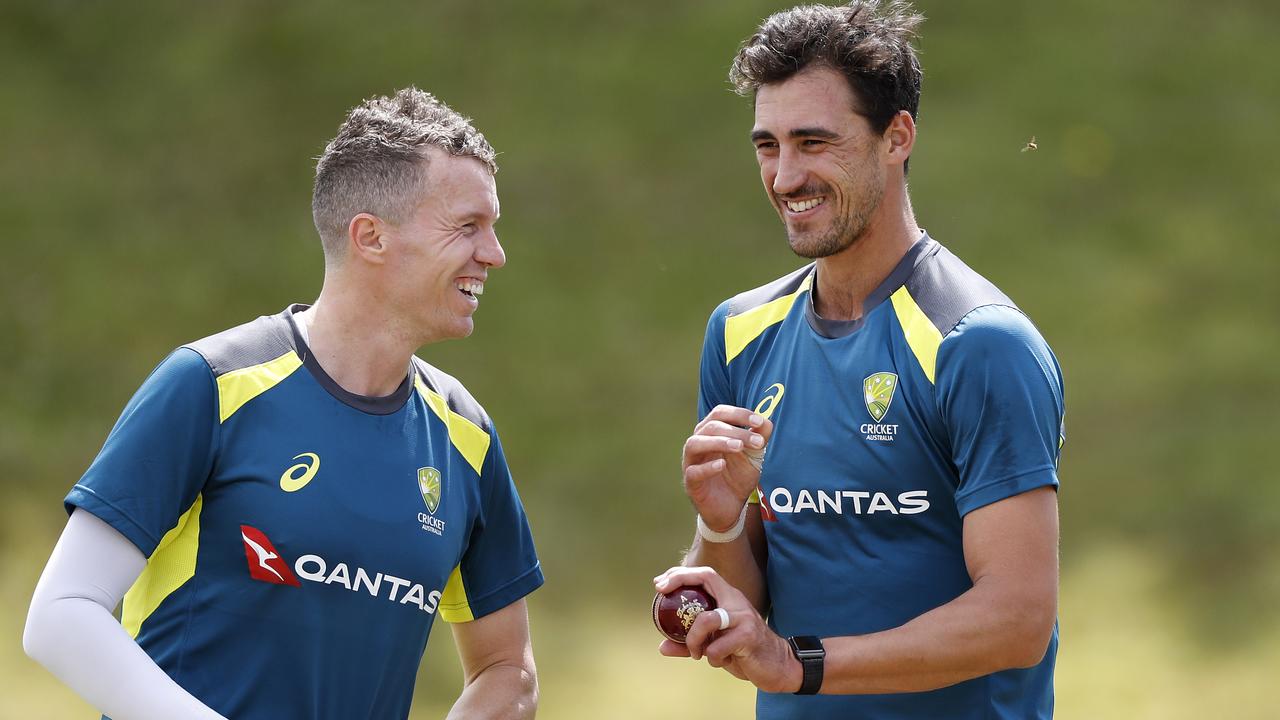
point(846, 279)
point(357, 343)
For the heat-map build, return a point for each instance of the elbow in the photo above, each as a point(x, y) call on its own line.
point(35, 635)
point(526, 695)
point(1030, 635)
point(529, 684)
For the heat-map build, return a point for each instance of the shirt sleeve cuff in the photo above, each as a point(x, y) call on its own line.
point(86, 499)
point(967, 502)
point(493, 601)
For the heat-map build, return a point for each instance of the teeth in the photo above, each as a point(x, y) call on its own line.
point(805, 204)
point(475, 287)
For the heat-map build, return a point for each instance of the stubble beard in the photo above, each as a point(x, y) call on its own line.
point(844, 231)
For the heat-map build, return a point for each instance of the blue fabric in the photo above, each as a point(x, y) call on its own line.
point(345, 639)
point(158, 455)
point(864, 516)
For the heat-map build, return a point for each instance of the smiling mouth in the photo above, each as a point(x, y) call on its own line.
point(470, 287)
point(796, 207)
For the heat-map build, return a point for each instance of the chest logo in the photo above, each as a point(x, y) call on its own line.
point(297, 476)
point(429, 484)
point(265, 563)
point(770, 401)
point(877, 392)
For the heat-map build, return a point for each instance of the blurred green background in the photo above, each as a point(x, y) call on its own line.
point(155, 188)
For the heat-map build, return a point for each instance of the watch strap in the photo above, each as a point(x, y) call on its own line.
point(812, 655)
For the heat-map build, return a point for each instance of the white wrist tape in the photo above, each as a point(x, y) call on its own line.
point(727, 536)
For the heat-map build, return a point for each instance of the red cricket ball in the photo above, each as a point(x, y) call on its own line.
point(675, 611)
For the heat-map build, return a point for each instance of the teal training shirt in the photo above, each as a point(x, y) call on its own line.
point(300, 539)
point(941, 399)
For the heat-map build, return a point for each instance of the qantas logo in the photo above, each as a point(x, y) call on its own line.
point(266, 564)
point(766, 513)
point(844, 502)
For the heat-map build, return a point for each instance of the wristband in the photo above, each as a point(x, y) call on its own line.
point(727, 536)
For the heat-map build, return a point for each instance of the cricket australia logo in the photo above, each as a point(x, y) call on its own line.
point(877, 393)
point(429, 485)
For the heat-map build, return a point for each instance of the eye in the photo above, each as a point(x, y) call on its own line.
point(766, 146)
point(811, 142)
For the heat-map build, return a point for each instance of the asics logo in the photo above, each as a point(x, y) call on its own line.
point(292, 481)
point(770, 401)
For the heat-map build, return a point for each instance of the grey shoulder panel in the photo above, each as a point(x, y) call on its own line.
point(459, 400)
point(781, 287)
point(946, 290)
point(252, 343)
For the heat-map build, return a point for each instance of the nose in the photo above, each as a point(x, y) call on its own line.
point(790, 173)
point(489, 251)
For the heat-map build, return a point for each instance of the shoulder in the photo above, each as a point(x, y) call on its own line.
point(453, 394)
point(946, 290)
point(783, 289)
point(995, 340)
point(254, 343)
point(738, 321)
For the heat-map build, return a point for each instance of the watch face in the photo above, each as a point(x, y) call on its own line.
point(808, 644)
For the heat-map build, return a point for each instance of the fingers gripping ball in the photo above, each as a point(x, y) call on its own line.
point(675, 611)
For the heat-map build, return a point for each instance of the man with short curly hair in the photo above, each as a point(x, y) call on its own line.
point(285, 507)
point(875, 470)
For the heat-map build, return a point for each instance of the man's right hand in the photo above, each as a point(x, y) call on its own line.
point(718, 475)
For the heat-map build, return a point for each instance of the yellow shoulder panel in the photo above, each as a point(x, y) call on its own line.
point(921, 335)
point(240, 386)
point(171, 565)
point(470, 439)
point(740, 330)
point(454, 606)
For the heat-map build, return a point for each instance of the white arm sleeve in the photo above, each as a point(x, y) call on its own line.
point(72, 632)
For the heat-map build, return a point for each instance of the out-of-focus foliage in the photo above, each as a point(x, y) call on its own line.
point(155, 187)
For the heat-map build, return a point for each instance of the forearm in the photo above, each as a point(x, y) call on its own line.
point(499, 691)
point(71, 631)
point(740, 562)
point(985, 630)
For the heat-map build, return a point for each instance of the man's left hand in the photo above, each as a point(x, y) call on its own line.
point(747, 648)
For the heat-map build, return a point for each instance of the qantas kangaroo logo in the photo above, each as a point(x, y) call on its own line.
point(265, 563)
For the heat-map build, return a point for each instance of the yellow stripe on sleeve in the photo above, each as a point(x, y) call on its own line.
point(171, 565)
point(921, 335)
point(454, 606)
point(240, 386)
point(470, 439)
point(740, 330)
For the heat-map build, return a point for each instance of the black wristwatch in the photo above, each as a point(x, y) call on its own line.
point(812, 656)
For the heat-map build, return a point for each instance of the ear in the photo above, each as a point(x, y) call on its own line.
point(901, 137)
point(366, 234)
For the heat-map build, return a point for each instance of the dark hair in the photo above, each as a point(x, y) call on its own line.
point(867, 42)
point(378, 164)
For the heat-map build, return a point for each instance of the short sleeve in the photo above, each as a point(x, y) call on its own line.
point(713, 377)
point(158, 456)
point(500, 565)
point(1000, 394)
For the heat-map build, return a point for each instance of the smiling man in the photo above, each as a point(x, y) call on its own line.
point(285, 507)
point(875, 470)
